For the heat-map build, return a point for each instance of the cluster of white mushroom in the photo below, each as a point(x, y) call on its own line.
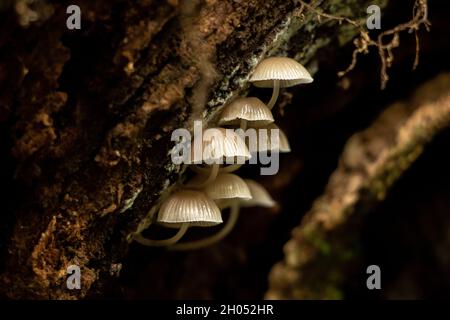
point(215, 187)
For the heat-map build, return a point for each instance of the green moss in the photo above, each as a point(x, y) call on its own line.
point(317, 240)
point(333, 293)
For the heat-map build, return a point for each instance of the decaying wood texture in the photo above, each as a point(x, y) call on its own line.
point(324, 244)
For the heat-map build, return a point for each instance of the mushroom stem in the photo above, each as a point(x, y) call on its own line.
point(139, 238)
point(234, 215)
point(234, 167)
point(243, 125)
point(227, 169)
point(197, 169)
point(230, 168)
point(214, 170)
point(275, 92)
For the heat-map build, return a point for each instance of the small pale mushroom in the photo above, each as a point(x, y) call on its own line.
point(230, 191)
point(265, 142)
point(220, 144)
point(184, 209)
point(246, 110)
point(228, 186)
point(260, 196)
point(276, 72)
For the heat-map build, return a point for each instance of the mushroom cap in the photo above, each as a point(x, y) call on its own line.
point(248, 108)
point(287, 70)
point(190, 206)
point(227, 186)
point(260, 196)
point(219, 144)
point(283, 142)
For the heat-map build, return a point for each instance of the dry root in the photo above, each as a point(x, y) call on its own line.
point(385, 48)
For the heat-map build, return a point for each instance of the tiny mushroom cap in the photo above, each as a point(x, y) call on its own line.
point(265, 141)
point(250, 109)
point(219, 144)
point(260, 196)
point(228, 186)
point(189, 206)
point(283, 140)
point(287, 70)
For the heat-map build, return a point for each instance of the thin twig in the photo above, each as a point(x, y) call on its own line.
point(385, 50)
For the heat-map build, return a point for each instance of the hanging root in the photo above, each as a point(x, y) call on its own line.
point(363, 42)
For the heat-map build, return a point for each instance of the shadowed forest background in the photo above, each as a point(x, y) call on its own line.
point(85, 123)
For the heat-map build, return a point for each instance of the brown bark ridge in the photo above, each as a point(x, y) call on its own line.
point(326, 241)
point(87, 114)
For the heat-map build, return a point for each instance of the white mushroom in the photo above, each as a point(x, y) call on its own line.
point(230, 191)
point(265, 142)
point(183, 209)
point(218, 145)
point(228, 186)
point(247, 110)
point(260, 196)
point(276, 72)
